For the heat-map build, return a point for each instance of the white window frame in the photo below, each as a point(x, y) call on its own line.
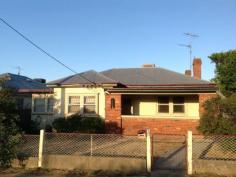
point(81, 95)
point(45, 105)
point(78, 104)
point(171, 112)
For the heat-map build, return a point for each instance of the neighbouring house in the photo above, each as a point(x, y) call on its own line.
point(23, 88)
point(133, 99)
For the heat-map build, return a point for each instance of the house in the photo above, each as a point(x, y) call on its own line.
point(134, 99)
point(23, 88)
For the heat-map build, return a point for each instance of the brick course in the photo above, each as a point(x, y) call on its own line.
point(131, 125)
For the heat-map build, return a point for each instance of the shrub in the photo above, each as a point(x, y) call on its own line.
point(219, 116)
point(9, 128)
point(78, 123)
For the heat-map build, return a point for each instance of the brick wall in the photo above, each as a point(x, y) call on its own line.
point(115, 123)
point(113, 115)
point(202, 99)
point(131, 125)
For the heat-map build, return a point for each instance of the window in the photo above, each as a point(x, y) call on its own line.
point(89, 105)
point(43, 105)
point(113, 103)
point(39, 105)
point(74, 104)
point(50, 103)
point(163, 104)
point(178, 104)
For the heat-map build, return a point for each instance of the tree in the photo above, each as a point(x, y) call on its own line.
point(225, 71)
point(9, 130)
point(220, 113)
point(219, 117)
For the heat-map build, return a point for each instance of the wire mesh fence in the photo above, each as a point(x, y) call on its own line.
point(218, 147)
point(169, 151)
point(29, 146)
point(99, 145)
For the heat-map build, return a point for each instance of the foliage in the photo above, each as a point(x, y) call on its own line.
point(78, 123)
point(9, 131)
point(219, 116)
point(225, 71)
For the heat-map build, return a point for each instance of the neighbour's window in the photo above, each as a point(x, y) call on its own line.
point(43, 105)
point(39, 105)
point(74, 104)
point(89, 105)
point(50, 103)
point(163, 104)
point(178, 104)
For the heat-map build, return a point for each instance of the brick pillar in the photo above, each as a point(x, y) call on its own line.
point(202, 99)
point(113, 114)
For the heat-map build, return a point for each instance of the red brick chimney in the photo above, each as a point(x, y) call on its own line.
point(197, 68)
point(188, 72)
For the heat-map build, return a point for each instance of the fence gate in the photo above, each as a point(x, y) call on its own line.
point(169, 152)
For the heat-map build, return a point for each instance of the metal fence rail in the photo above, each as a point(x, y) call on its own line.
point(101, 145)
point(214, 147)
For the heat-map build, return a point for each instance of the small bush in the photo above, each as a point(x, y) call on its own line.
point(78, 123)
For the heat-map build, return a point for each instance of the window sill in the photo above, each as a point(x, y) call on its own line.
point(160, 117)
point(42, 113)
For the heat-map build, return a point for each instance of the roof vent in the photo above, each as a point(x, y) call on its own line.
point(148, 66)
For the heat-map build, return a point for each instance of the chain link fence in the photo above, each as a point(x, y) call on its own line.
point(214, 147)
point(95, 145)
point(169, 151)
point(29, 146)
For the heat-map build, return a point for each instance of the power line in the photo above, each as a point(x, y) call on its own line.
point(42, 50)
point(35, 45)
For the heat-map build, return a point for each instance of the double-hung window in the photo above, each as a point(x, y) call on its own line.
point(89, 105)
point(82, 104)
point(74, 104)
point(171, 105)
point(178, 104)
point(163, 104)
point(43, 105)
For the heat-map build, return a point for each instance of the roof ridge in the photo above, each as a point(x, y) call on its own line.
point(183, 75)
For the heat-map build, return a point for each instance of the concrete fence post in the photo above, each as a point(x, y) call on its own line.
point(40, 156)
point(189, 152)
point(149, 161)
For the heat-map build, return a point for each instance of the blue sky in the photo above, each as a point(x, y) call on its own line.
point(104, 34)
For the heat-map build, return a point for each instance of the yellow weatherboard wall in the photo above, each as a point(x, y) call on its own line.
point(61, 96)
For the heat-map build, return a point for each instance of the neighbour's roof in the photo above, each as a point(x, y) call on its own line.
point(88, 77)
point(151, 77)
point(23, 83)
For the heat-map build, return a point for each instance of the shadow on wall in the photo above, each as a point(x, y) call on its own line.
point(113, 127)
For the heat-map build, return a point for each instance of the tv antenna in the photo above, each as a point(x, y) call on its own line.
point(191, 36)
point(19, 69)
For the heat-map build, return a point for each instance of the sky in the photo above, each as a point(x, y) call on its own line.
point(105, 34)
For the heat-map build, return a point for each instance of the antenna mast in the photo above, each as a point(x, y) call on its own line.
point(191, 36)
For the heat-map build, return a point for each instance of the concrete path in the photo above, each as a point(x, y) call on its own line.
point(171, 164)
point(168, 173)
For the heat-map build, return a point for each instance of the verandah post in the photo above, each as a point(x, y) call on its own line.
point(189, 153)
point(40, 155)
point(148, 140)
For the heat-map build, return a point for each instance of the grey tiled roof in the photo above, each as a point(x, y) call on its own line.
point(22, 83)
point(88, 77)
point(150, 76)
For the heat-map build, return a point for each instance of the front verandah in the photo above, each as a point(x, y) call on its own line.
point(171, 114)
